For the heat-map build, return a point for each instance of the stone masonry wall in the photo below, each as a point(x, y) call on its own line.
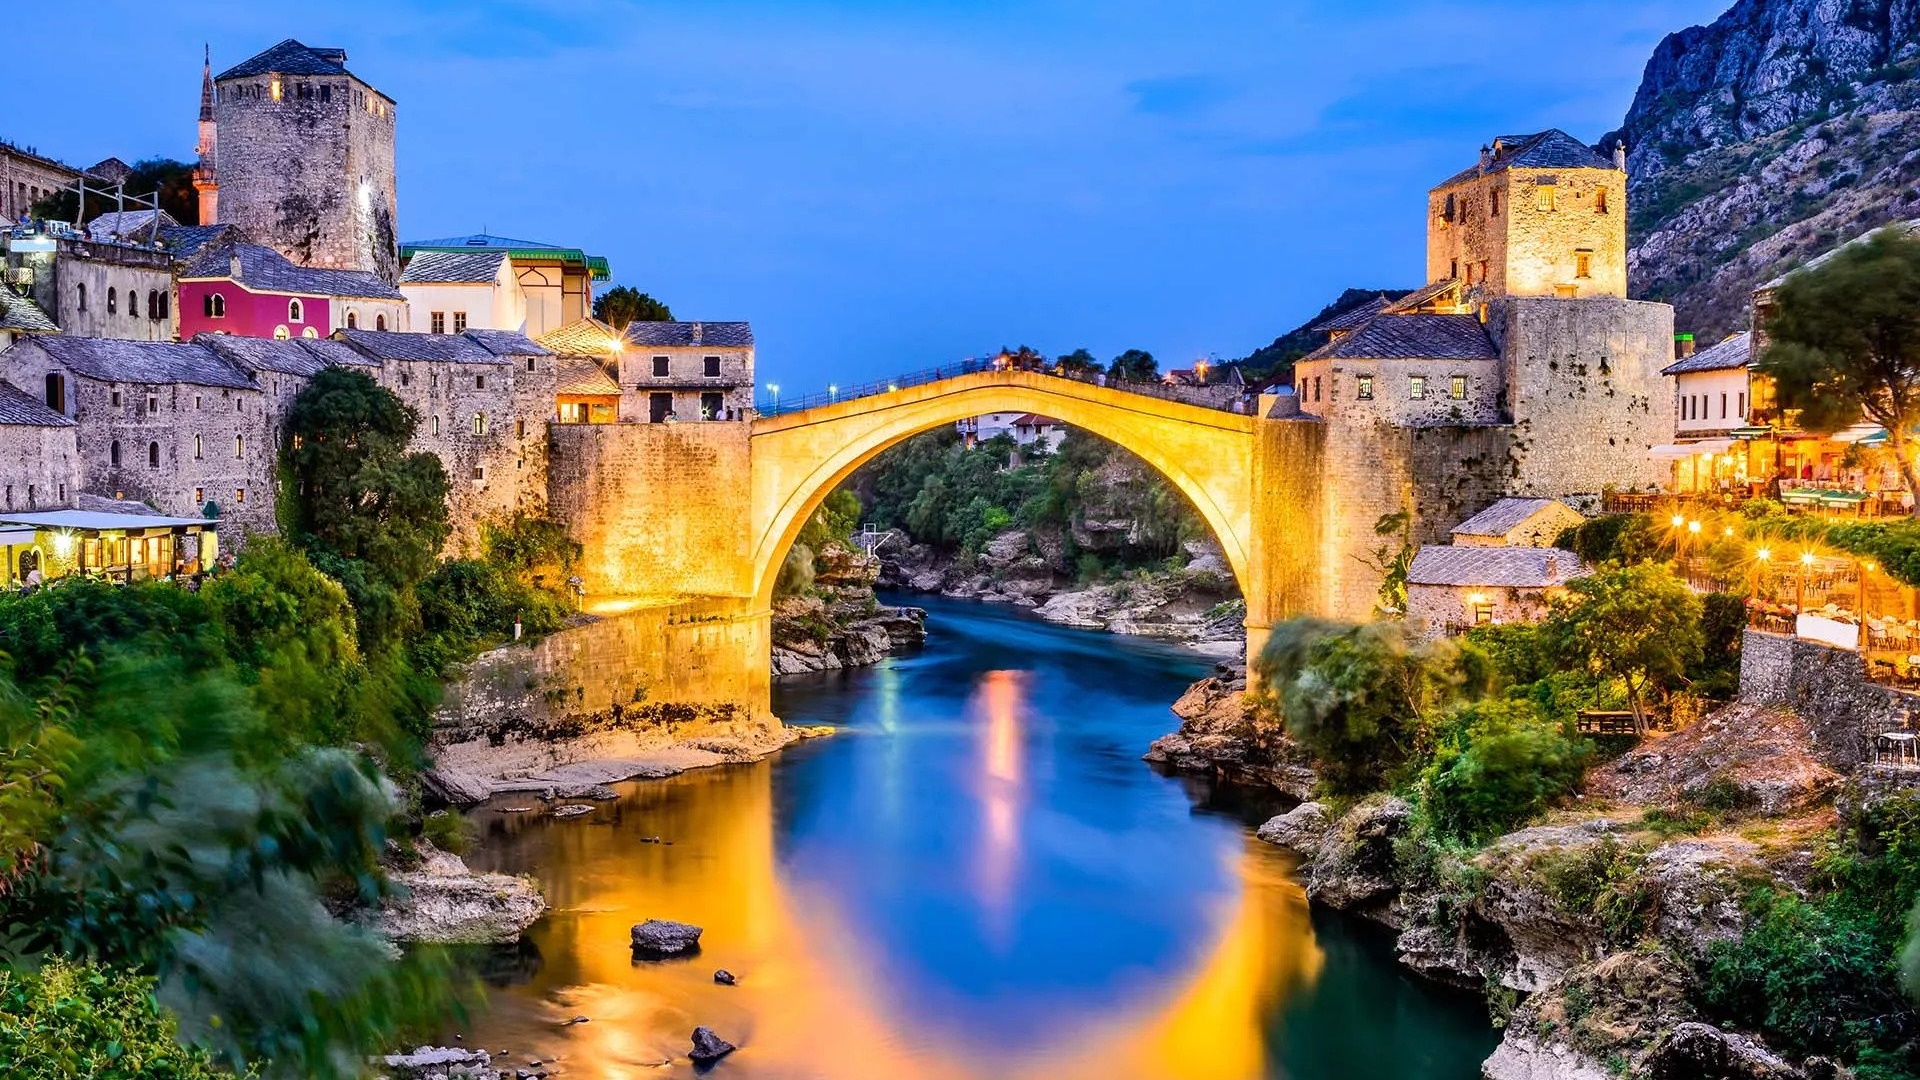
point(1330, 387)
point(312, 179)
point(685, 379)
point(1528, 250)
point(661, 509)
point(39, 462)
point(1828, 687)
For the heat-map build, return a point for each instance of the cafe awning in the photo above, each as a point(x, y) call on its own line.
point(1675, 451)
point(1759, 432)
point(1861, 433)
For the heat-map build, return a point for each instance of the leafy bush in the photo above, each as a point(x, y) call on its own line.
point(80, 1019)
point(1499, 763)
point(1619, 538)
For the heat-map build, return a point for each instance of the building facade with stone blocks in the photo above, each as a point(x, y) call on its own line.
point(254, 291)
point(1538, 215)
point(27, 177)
point(556, 282)
point(1517, 523)
point(1452, 589)
point(92, 288)
point(450, 291)
point(484, 399)
point(39, 453)
point(682, 371)
point(1416, 369)
point(175, 425)
point(304, 159)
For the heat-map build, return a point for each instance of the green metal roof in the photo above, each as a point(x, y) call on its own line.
point(596, 265)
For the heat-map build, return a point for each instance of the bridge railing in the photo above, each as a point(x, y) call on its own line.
point(1219, 396)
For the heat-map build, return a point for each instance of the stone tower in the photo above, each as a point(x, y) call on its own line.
point(1539, 215)
point(205, 180)
point(305, 159)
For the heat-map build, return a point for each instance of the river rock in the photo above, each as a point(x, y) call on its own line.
point(1300, 829)
point(725, 977)
point(1355, 868)
point(1697, 1051)
point(456, 787)
point(664, 937)
point(571, 810)
point(708, 1046)
point(443, 902)
point(434, 1062)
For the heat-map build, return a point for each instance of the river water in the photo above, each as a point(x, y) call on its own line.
point(976, 878)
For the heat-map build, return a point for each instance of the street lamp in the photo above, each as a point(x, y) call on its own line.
point(774, 389)
point(1800, 591)
point(833, 391)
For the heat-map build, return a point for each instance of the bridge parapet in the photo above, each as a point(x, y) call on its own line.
point(1220, 397)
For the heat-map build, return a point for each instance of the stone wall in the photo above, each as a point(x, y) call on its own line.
point(1333, 387)
point(1528, 250)
point(1828, 688)
point(685, 379)
point(661, 509)
point(310, 178)
point(1586, 393)
point(36, 465)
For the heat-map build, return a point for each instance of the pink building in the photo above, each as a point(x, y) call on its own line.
point(252, 291)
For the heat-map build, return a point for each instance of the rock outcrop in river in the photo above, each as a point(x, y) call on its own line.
point(835, 622)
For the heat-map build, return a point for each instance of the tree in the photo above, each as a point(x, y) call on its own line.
point(625, 304)
point(1844, 342)
point(1500, 762)
point(1360, 697)
point(173, 180)
point(1135, 364)
point(1639, 624)
point(1077, 363)
point(370, 513)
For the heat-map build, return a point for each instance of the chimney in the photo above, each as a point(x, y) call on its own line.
point(1553, 568)
point(1682, 346)
point(1620, 155)
point(233, 266)
point(698, 330)
point(1486, 157)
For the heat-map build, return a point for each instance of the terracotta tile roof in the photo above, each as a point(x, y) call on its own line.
point(1413, 337)
point(1495, 567)
point(1733, 352)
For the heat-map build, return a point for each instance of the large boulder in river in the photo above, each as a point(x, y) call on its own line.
point(442, 902)
point(708, 1046)
point(664, 937)
point(1355, 868)
point(1300, 829)
point(439, 1063)
point(1697, 1051)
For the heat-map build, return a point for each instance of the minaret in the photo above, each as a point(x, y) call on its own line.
point(204, 180)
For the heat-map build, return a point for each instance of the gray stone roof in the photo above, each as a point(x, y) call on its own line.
point(1353, 316)
point(1426, 294)
point(454, 267)
point(188, 241)
point(1413, 337)
point(726, 335)
point(111, 360)
point(20, 314)
point(1495, 567)
point(21, 409)
point(1504, 516)
point(472, 347)
point(263, 269)
point(128, 224)
point(582, 337)
point(1549, 149)
point(289, 58)
point(263, 354)
point(1732, 352)
point(579, 375)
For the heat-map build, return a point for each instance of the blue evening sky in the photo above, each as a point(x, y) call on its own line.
point(883, 186)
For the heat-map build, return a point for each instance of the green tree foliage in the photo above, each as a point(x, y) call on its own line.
point(624, 304)
point(1135, 364)
point(1498, 763)
point(1393, 560)
point(1843, 341)
point(1078, 363)
point(832, 523)
point(172, 179)
point(1362, 698)
point(370, 513)
point(534, 549)
point(1639, 624)
point(72, 1020)
point(1620, 538)
point(43, 631)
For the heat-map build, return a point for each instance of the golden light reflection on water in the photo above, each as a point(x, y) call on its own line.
point(813, 1000)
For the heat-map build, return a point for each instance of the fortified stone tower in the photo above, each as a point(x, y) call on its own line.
point(205, 180)
point(305, 159)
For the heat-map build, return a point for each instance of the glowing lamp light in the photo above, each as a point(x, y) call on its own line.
point(1476, 598)
point(1763, 554)
point(1806, 558)
point(1693, 527)
point(1871, 568)
point(63, 544)
point(1679, 520)
point(1728, 531)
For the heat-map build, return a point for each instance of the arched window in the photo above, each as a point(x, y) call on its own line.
point(155, 309)
point(197, 455)
point(113, 301)
point(216, 306)
point(239, 446)
point(113, 454)
point(380, 322)
point(133, 303)
point(82, 290)
point(310, 332)
point(353, 320)
point(294, 311)
point(479, 423)
point(153, 455)
point(166, 304)
point(280, 332)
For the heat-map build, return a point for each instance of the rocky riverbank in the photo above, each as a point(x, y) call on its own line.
point(1590, 931)
point(836, 622)
point(1196, 602)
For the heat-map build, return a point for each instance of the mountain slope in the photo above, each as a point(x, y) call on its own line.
point(1781, 130)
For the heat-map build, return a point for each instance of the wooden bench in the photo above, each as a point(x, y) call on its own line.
point(1605, 722)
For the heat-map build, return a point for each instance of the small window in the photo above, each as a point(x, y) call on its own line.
point(436, 425)
point(154, 306)
point(239, 446)
point(113, 301)
point(479, 423)
point(196, 403)
point(1453, 269)
point(295, 311)
point(1493, 203)
point(529, 363)
point(240, 495)
point(660, 367)
point(200, 497)
point(479, 472)
point(153, 404)
point(56, 391)
point(153, 455)
point(281, 333)
point(81, 289)
point(1457, 388)
point(196, 448)
point(1723, 405)
point(1599, 200)
point(326, 92)
point(519, 429)
point(1447, 213)
point(437, 322)
point(406, 379)
point(459, 322)
point(133, 304)
point(1416, 387)
point(310, 332)
point(353, 320)
point(113, 453)
point(1743, 405)
point(216, 306)
point(1583, 264)
point(113, 398)
point(433, 380)
point(479, 382)
point(1316, 388)
point(711, 367)
point(380, 321)
point(1547, 195)
point(1364, 390)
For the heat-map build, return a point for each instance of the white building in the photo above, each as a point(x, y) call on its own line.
point(1711, 394)
point(449, 292)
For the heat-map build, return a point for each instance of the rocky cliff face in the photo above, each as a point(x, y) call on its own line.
point(1781, 130)
point(837, 623)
